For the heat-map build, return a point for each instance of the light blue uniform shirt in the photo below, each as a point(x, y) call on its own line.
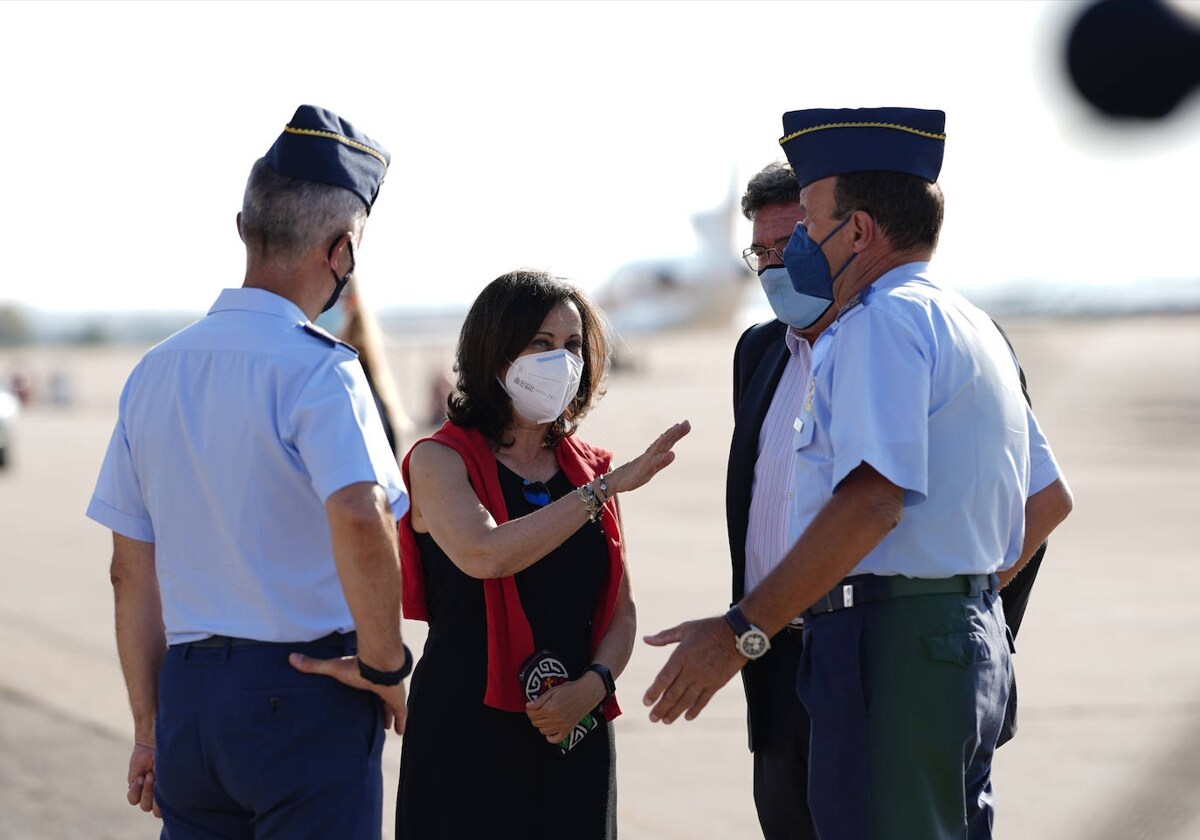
point(920, 384)
point(231, 435)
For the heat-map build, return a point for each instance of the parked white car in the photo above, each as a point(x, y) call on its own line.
point(10, 407)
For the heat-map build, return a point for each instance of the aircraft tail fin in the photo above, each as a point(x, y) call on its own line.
point(717, 228)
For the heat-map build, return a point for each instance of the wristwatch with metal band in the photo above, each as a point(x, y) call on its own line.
point(751, 642)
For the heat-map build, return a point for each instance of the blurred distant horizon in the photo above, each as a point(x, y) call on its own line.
point(24, 324)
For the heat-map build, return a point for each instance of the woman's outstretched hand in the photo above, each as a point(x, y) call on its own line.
point(641, 469)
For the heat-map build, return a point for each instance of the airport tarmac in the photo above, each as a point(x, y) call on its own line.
point(1108, 661)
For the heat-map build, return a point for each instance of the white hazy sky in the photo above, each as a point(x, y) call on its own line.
point(572, 136)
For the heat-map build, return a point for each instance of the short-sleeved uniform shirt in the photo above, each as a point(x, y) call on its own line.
point(231, 435)
point(918, 383)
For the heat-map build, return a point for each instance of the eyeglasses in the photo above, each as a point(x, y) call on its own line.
point(536, 493)
point(758, 257)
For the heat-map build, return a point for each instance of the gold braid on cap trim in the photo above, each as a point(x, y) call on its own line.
point(896, 126)
point(353, 144)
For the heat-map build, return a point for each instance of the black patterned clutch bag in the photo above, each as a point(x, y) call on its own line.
point(539, 674)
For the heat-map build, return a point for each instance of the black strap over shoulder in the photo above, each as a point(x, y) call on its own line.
point(1016, 595)
point(1020, 370)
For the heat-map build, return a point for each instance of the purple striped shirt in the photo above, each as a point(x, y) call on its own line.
point(768, 536)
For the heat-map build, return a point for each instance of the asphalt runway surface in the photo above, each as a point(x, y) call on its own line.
point(1108, 658)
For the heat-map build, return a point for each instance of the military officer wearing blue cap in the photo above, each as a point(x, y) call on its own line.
point(253, 501)
point(771, 367)
point(918, 438)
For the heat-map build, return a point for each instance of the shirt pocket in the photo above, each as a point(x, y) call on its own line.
point(802, 431)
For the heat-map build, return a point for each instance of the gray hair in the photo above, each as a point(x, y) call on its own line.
point(285, 217)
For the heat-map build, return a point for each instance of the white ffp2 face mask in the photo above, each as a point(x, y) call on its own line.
point(542, 385)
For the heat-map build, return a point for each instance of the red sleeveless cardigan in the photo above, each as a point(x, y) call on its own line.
point(510, 639)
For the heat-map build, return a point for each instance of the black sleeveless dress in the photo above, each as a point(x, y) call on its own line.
point(470, 771)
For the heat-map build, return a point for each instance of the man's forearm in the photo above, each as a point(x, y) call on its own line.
point(368, 565)
point(864, 509)
point(141, 639)
point(1044, 511)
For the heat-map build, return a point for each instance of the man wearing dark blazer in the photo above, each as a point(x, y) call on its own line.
point(771, 367)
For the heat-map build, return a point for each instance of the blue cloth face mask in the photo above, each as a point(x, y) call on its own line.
point(807, 266)
point(791, 307)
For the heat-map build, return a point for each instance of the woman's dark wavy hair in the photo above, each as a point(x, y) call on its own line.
point(501, 323)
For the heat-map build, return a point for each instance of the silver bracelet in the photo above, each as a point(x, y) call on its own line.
point(588, 496)
point(603, 481)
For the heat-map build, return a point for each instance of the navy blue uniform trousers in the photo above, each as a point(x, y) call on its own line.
point(249, 747)
point(907, 697)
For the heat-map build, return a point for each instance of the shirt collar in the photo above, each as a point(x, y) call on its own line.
point(900, 274)
point(258, 300)
point(917, 270)
point(793, 340)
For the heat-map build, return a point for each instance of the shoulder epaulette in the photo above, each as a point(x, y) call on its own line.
point(326, 336)
point(852, 308)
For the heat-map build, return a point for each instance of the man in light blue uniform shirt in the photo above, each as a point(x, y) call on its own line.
point(919, 440)
point(771, 367)
point(252, 498)
point(920, 428)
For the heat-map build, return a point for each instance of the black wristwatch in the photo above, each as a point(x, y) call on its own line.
point(387, 677)
point(610, 685)
point(751, 642)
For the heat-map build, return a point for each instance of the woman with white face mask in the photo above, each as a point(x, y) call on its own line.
point(512, 552)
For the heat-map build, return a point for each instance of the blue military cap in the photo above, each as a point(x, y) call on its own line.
point(318, 145)
point(820, 142)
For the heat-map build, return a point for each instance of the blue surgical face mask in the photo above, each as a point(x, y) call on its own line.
point(807, 265)
point(791, 307)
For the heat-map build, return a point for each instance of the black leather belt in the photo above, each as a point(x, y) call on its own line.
point(866, 589)
point(333, 640)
